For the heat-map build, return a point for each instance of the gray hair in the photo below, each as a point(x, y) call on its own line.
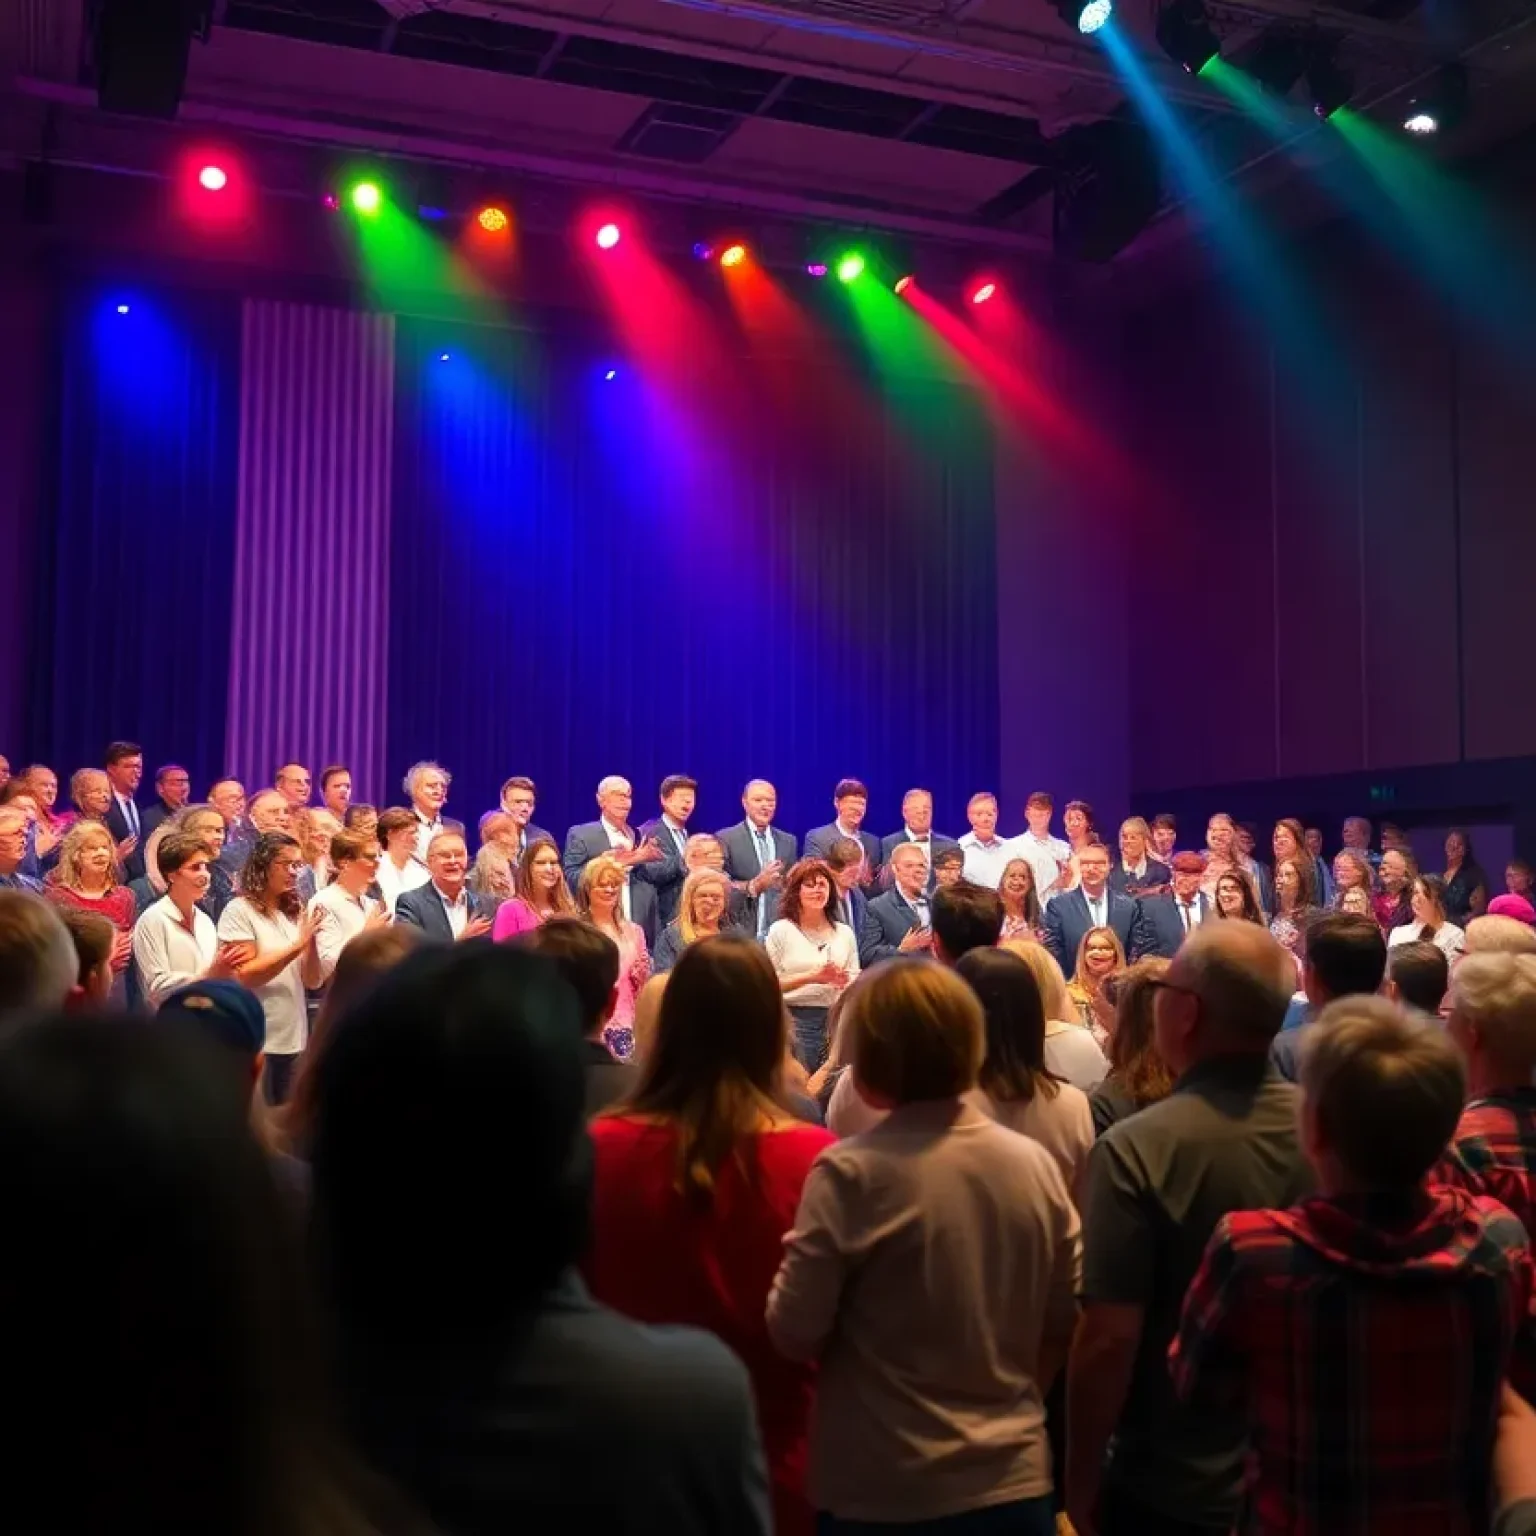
point(613, 782)
point(1243, 978)
point(415, 771)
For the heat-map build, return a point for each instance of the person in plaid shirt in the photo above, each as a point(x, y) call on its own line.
point(1493, 1022)
point(1364, 1334)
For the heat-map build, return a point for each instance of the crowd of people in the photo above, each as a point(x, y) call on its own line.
point(669, 1181)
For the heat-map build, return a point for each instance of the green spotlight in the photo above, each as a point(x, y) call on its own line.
point(850, 267)
point(366, 197)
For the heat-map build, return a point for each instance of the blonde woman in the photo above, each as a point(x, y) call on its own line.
point(86, 879)
point(600, 900)
point(701, 913)
point(1099, 954)
point(1071, 1052)
point(205, 824)
point(491, 875)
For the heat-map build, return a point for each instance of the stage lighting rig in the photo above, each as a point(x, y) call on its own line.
point(1184, 33)
point(1441, 105)
point(1085, 16)
point(1329, 83)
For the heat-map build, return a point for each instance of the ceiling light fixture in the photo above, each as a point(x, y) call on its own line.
point(1184, 34)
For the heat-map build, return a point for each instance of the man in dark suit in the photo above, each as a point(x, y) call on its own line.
point(1170, 919)
point(173, 788)
point(846, 860)
point(445, 908)
point(125, 768)
point(899, 921)
point(917, 829)
point(611, 833)
point(757, 854)
point(518, 798)
point(669, 832)
point(1091, 905)
point(1136, 872)
point(851, 800)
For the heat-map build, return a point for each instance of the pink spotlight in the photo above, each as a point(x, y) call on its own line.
point(983, 293)
point(213, 178)
point(608, 237)
point(817, 269)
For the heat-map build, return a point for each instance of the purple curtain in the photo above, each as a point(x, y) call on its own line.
point(309, 640)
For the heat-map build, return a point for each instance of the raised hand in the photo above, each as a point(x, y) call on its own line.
point(476, 928)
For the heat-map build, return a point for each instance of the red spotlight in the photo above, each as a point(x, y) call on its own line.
point(213, 178)
point(608, 237)
point(903, 283)
point(492, 220)
point(733, 255)
point(982, 292)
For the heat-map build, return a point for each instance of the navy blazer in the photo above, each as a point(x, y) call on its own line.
point(888, 919)
point(586, 842)
point(852, 907)
point(1158, 874)
point(669, 874)
point(937, 843)
point(1162, 929)
point(117, 825)
point(1067, 920)
point(423, 908)
point(819, 840)
point(741, 865)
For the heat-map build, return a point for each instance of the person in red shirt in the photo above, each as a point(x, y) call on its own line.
point(1364, 1334)
point(698, 1178)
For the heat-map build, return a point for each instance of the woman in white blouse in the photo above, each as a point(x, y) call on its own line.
point(1427, 899)
point(399, 869)
point(269, 916)
point(815, 957)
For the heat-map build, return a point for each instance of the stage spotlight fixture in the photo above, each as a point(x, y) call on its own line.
point(610, 375)
point(366, 197)
point(1441, 106)
point(1086, 16)
point(492, 220)
point(850, 267)
point(702, 251)
point(903, 283)
point(213, 178)
point(330, 202)
point(1184, 34)
point(815, 269)
point(733, 255)
point(122, 309)
point(442, 357)
point(982, 292)
point(1330, 85)
point(608, 237)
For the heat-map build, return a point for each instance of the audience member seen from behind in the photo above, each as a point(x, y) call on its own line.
point(965, 917)
point(1345, 956)
point(1099, 955)
point(540, 892)
point(932, 1272)
point(93, 937)
point(1493, 1150)
point(480, 1373)
point(1138, 1075)
point(1417, 976)
point(86, 879)
point(1428, 923)
point(195, 1400)
point(1466, 886)
point(1514, 1466)
point(1016, 1088)
point(814, 957)
point(1071, 1052)
point(701, 914)
point(39, 968)
point(1382, 1278)
point(698, 1178)
point(1496, 934)
point(1158, 1182)
point(589, 962)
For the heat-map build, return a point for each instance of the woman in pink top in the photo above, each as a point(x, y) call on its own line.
point(600, 900)
point(698, 1179)
point(541, 892)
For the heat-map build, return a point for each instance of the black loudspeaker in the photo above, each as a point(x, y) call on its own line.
point(1107, 189)
point(141, 53)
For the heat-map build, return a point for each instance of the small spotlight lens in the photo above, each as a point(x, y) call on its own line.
point(983, 293)
point(213, 178)
point(903, 283)
point(816, 269)
point(331, 202)
point(442, 357)
point(607, 237)
point(492, 220)
point(1094, 15)
point(1423, 123)
point(366, 197)
point(122, 309)
point(610, 376)
point(850, 267)
point(733, 256)
point(703, 252)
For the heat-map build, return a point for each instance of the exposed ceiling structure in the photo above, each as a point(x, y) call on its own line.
point(946, 120)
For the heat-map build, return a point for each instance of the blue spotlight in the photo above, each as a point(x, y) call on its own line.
point(442, 357)
point(610, 375)
point(122, 309)
point(1094, 15)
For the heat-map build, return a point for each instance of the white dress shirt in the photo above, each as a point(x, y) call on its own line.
point(985, 862)
point(168, 953)
point(1042, 855)
point(341, 919)
point(282, 998)
point(1189, 912)
point(425, 832)
point(457, 909)
point(394, 882)
point(619, 838)
point(1098, 907)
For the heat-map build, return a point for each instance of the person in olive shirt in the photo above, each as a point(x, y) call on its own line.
point(1225, 1139)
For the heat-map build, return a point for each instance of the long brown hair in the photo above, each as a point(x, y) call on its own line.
point(807, 869)
point(258, 868)
point(1031, 895)
point(522, 880)
point(1134, 1060)
point(714, 1067)
point(1014, 1069)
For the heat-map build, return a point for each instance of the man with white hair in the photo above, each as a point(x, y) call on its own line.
point(38, 962)
point(426, 787)
point(611, 833)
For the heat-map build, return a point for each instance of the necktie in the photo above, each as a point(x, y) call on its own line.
point(1187, 915)
point(920, 906)
point(764, 858)
point(1095, 911)
point(133, 817)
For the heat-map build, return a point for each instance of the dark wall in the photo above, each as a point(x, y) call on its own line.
point(1348, 549)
